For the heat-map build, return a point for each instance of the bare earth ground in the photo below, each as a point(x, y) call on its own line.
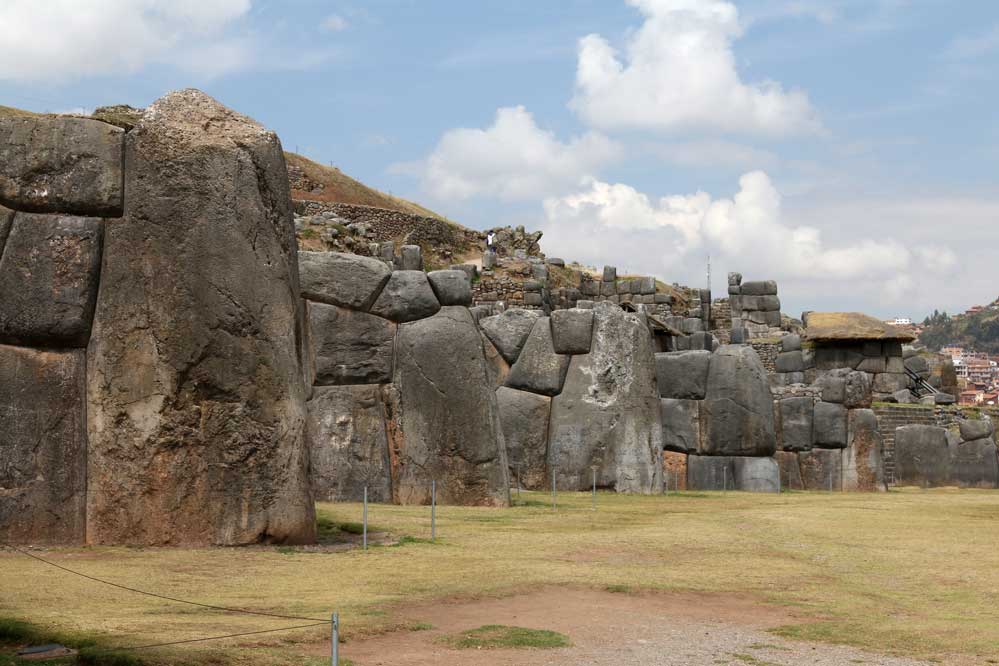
point(612, 629)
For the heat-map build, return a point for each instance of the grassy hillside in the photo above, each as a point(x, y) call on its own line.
point(979, 331)
point(11, 111)
point(338, 187)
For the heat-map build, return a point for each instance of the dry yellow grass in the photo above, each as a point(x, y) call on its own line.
point(914, 572)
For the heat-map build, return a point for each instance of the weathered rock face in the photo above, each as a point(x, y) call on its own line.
point(829, 427)
point(608, 415)
point(972, 429)
point(710, 473)
point(538, 368)
point(509, 331)
point(347, 280)
point(821, 469)
point(756, 475)
point(796, 420)
point(196, 399)
point(525, 429)
point(922, 457)
point(6, 217)
point(572, 331)
point(49, 273)
point(452, 287)
point(350, 347)
point(863, 466)
point(974, 464)
point(61, 165)
point(681, 425)
point(737, 413)
point(447, 415)
point(407, 296)
point(683, 375)
point(348, 444)
point(790, 472)
point(43, 446)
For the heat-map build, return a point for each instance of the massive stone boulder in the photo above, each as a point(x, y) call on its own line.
point(829, 426)
point(974, 464)
point(538, 368)
point(683, 375)
point(509, 330)
point(452, 287)
point(348, 280)
point(972, 429)
point(681, 425)
point(922, 456)
point(196, 398)
point(756, 475)
point(821, 469)
point(572, 331)
point(61, 165)
point(863, 464)
point(348, 444)
point(796, 421)
point(349, 347)
point(608, 414)
point(407, 296)
point(525, 429)
point(49, 273)
point(43, 446)
point(745, 473)
point(446, 422)
point(737, 413)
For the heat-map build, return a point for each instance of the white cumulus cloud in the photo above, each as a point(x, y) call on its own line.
point(673, 236)
point(64, 39)
point(678, 73)
point(513, 159)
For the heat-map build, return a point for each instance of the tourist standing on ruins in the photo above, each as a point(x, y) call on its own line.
point(491, 241)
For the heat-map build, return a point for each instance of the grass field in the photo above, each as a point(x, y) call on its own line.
point(911, 572)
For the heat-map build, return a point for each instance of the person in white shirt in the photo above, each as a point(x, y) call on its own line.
point(491, 241)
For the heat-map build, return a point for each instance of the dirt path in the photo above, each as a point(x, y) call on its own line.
point(613, 630)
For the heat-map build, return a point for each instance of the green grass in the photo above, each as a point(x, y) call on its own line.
point(502, 636)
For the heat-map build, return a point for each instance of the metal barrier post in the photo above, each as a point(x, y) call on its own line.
point(365, 528)
point(433, 510)
point(554, 497)
point(335, 640)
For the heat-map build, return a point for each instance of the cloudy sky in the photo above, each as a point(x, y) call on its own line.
point(847, 148)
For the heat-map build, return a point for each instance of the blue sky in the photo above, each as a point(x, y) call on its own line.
point(845, 148)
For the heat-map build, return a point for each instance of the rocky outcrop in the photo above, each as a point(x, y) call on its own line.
point(61, 165)
point(49, 274)
point(447, 415)
point(737, 412)
point(608, 414)
point(196, 403)
point(922, 457)
point(43, 446)
point(348, 444)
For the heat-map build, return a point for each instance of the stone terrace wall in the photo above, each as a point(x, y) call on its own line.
point(768, 352)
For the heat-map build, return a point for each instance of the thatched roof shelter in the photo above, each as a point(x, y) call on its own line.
point(852, 327)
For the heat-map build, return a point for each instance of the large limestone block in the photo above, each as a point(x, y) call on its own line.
point(447, 415)
point(887, 383)
point(760, 288)
point(43, 446)
point(348, 280)
point(790, 361)
point(49, 274)
point(348, 444)
point(976, 428)
point(821, 469)
point(196, 399)
point(681, 425)
point(538, 368)
point(829, 427)
point(974, 464)
point(452, 287)
point(683, 375)
point(572, 331)
point(796, 423)
point(525, 429)
point(737, 413)
point(509, 330)
point(6, 217)
point(349, 347)
point(710, 473)
point(756, 475)
point(788, 470)
point(407, 296)
point(863, 466)
point(922, 457)
point(608, 412)
point(61, 165)
point(496, 365)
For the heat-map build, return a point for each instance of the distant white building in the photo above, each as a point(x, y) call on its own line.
point(900, 321)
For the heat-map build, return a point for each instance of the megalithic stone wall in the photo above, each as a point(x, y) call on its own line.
point(196, 398)
point(57, 176)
